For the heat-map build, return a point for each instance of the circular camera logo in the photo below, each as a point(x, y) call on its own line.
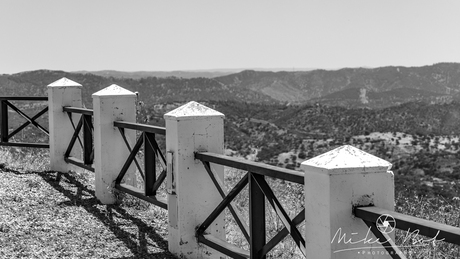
point(386, 223)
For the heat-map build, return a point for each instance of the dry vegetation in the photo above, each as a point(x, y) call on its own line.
point(437, 209)
point(47, 214)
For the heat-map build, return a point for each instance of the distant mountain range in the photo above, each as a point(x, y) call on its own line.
point(145, 74)
point(348, 87)
point(355, 87)
point(208, 73)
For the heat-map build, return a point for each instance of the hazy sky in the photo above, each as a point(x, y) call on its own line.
point(186, 35)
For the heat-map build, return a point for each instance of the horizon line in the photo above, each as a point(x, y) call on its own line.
point(231, 70)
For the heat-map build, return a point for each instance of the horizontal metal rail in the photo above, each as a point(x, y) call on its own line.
point(5, 135)
point(79, 163)
point(226, 248)
point(23, 144)
point(424, 227)
point(253, 167)
point(77, 110)
point(140, 194)
point(85, 123)
point(29, 121)
point(259, 191)
point(140, 127)
point(24, 98)
point(152, 153)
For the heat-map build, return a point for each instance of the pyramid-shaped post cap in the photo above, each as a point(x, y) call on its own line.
point(64, 82)
point(192, 110)
point(112, 91)
point(347, 159)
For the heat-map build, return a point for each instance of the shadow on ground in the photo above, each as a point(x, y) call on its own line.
point(137, 245)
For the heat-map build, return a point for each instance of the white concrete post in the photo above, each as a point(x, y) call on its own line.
point(193, 196)
point(63, 92)
point(110, 104)
point(334, 182)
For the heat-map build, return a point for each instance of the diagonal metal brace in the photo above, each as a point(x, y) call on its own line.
point(17, 110)
point(282, 234)
point(76, 132)
point(27, 123)
point(74, 136)
point(244, 228)
point(291, 227)
point(130, 159)
point(223, 204)
point(122, 132)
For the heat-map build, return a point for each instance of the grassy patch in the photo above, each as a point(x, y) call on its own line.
point(47, 214)
point(438, 209)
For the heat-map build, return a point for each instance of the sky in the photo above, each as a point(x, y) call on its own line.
point(166, 35)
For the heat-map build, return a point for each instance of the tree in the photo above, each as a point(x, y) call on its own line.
point(302, 155)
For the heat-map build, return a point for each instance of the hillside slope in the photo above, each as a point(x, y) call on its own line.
point(439, 80)
point(349, 87)
point(152, 90)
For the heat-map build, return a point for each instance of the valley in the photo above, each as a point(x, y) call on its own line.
point(411, 119)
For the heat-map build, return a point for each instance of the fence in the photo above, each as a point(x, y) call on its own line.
point(349, 194)
point(85, 122)
point(5, 136)
point(258, 191)
point(152, 152)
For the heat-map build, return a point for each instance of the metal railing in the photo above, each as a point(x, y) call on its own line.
point(85, 123)
point(435, 230)
point(258, 191)
point(152, 153)
point(5, 136)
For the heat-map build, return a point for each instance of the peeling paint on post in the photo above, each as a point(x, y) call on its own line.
point(190, 128)
point(110, 104)
point(334, 183)
point(63, 92)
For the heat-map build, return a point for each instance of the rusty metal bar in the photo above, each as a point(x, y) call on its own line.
point(78, 110)
point(140, 127)
point(427, 228)
point(4, 121)
point(254, 167)
point(256, 217)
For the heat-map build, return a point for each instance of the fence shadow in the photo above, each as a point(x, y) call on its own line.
point(138, 247)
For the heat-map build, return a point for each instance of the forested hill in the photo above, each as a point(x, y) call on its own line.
point(349, 87)
point(355, 87)
point(260, 124)
point(152, 90)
